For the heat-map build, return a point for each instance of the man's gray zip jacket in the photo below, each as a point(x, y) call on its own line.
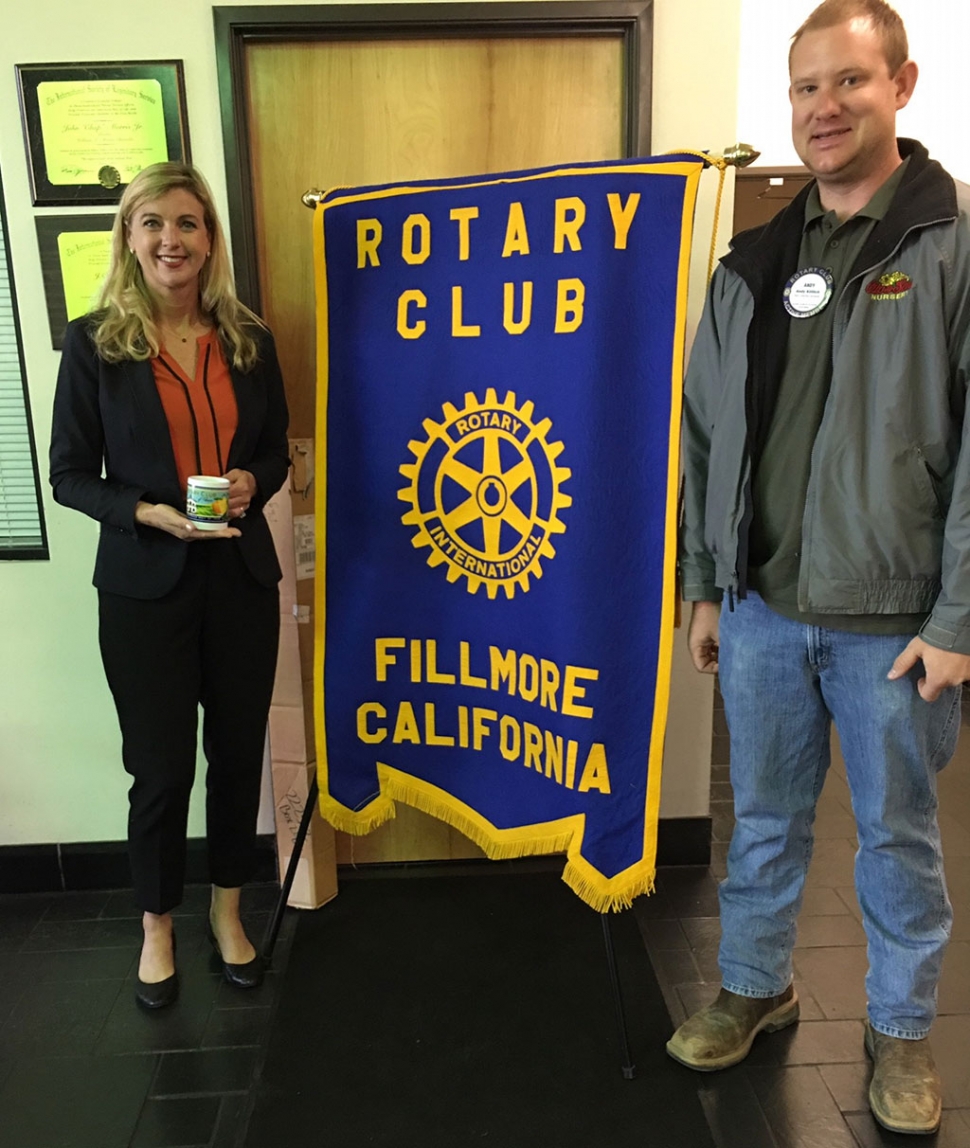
point(886, 528)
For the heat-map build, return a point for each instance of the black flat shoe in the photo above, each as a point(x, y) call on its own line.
point(245, 976)
point(161, 994)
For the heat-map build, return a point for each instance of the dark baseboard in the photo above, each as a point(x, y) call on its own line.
point(101, 865)
point(104, 864)
point(30, 869)
point(684, 841)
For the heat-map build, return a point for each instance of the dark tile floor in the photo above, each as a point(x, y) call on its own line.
point(82, 1067)
point(806, 1086)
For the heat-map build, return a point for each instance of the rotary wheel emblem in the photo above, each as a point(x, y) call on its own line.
point(485, 491)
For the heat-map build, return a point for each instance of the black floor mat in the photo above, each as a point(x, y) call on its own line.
point(444, 1012)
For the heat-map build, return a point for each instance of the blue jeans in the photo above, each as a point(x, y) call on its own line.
point(783, 684)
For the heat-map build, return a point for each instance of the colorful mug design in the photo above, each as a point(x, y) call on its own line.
point(207, 501)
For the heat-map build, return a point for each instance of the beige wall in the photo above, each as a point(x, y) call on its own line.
point(60, 775)
point(695, 96)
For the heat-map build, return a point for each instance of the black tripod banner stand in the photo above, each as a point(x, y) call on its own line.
point(273, 928)
point(627, 1066)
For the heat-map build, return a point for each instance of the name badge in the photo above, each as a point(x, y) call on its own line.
point(808, 292)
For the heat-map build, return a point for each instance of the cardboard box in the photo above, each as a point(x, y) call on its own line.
point(315, 882)
point(303, 507)
point(291, 737)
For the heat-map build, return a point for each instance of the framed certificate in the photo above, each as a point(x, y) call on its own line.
point(74, 254)
point(89, 128)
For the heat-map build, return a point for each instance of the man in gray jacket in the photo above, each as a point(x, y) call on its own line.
point(827, 499)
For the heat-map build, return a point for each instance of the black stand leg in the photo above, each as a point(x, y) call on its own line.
point(272, 931)
point(628, 1067)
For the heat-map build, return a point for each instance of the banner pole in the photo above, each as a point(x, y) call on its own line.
point(628, 1068)
point(272, 931)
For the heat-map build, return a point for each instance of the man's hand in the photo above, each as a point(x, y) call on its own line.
point(702, 635)
point(942, 668)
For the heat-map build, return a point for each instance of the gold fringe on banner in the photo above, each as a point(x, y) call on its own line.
point(379, 812)
point(604, 894)
point(614, 901)
point(410, 790)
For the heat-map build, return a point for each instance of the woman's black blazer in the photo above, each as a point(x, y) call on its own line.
point(111, 448)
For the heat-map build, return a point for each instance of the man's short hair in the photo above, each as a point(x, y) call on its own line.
point(886, 22)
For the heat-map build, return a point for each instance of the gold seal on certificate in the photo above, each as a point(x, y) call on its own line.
point(85, 121)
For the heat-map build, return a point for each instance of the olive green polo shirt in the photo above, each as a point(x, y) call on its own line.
point(780, 484)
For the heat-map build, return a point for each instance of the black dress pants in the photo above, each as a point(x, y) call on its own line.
point(211, 641)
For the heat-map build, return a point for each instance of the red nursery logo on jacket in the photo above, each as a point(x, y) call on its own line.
point(893, 285)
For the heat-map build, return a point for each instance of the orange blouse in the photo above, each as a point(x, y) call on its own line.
point(201, 412)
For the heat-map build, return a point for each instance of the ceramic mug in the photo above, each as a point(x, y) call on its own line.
point(207, 501)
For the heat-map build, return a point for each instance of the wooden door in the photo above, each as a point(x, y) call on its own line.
point(332, 113)
point(761, 192)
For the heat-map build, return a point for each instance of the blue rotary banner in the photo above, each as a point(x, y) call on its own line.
point(500, 362)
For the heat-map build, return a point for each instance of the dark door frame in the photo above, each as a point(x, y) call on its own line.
point(238, 27)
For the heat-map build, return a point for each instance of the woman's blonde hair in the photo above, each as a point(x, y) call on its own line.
point(125, 326)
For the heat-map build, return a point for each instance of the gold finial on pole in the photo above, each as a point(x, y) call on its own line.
point(313, 197)
point(740, 155)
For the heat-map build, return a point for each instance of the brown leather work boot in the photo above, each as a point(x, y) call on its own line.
point(905, 1093)
point(722, 1033)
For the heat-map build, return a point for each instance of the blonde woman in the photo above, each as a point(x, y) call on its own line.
point(172, 376)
